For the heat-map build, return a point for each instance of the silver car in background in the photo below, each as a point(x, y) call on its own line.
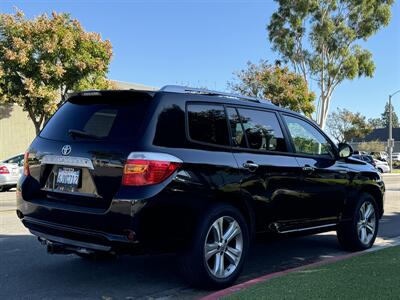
point(382, 166)
point(10, 171)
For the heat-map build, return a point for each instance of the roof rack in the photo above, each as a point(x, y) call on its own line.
point(190, 90)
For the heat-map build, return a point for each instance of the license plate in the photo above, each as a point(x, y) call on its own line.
point(68, 177)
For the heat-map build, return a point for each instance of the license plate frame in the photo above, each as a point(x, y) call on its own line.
point(68, 179)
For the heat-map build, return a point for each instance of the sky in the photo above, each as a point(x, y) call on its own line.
point(202, 42)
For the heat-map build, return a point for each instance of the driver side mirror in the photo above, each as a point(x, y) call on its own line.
point(345, 150)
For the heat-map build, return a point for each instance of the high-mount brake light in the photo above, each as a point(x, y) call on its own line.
point(147, 168)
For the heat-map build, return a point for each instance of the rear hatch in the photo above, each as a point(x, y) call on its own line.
point(79, 156)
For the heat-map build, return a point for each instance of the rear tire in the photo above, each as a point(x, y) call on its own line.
point(360, 233)
point(218, 250)
point(5, 188)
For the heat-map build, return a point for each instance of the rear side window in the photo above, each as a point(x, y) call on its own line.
point(260, 130)
point(112, 117)
point(15, 159)
point(238, 136)
point(207, 124)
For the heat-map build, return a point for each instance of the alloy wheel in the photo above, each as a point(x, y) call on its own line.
point(223, 247)
point(366, 224)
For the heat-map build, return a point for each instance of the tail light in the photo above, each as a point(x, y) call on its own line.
point(4, 170)
point(26, 164)
point(146, 168)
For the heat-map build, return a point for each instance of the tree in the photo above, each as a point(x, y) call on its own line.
point(385, 117)
point(319, 38)
point(43, 59)
point(344, 125)
point(277, 84)
point(375, 123)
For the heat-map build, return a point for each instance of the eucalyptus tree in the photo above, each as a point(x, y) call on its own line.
point(321, 40)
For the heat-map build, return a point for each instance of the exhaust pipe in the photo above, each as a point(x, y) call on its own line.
point(58, 248)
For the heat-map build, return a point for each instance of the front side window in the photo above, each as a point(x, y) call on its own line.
point(307, 139)
point(259, 130)
point(207, 124)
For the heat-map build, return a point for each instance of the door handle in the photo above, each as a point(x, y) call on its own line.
point(251, 166)
point(308, 169)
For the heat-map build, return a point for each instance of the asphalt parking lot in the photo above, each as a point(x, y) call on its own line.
point(28, 272)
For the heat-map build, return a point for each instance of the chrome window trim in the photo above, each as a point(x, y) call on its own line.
point(154, 156)
point(72, 161)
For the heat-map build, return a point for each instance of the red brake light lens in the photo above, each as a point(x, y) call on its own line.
point(26, 164)
point(139, 172)
point(4, 170)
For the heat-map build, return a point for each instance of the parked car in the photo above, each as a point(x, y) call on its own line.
point(367, 158)
point(396, 156)
point(360, 152)
point(381, 155)
point(193, 171)
point(382, 166)
point(10, 170)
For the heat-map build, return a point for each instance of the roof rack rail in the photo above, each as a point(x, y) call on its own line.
point(185, 89)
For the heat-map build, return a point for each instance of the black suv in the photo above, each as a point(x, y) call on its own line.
point(190, 170)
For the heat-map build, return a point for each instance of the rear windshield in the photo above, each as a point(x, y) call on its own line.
point(107, 117)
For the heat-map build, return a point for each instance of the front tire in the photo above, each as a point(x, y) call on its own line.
point(218, 250)
point(360, 233)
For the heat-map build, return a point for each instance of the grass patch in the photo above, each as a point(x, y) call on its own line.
point(373, 275)
point(396, 171)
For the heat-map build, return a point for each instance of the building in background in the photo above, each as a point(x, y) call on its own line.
point(379, 135)
point(17, 130)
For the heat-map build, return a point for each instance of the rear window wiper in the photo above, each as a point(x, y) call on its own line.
point(80, 133)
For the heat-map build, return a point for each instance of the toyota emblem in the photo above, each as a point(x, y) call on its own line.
point(66, 150)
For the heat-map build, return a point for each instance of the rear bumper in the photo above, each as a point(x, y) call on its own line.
point(154, 218)
point(8, 180)
point(77, 238)
point(91, 228)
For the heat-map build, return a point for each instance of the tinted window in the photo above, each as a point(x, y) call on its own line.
point(261, 129)
point(170, 130)
point(238, 137)
point(368, 158)
point(307, 139)
point(207, 123)
point(113, 117)
point(15, 159)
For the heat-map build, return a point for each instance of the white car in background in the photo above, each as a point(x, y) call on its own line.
point(10, 171)
point(382, 166)
point(396, 156)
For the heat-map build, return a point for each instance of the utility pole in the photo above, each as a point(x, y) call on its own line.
point(390, 140)
point(390, 146)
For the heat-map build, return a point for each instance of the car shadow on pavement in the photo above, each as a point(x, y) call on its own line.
point(29, 271)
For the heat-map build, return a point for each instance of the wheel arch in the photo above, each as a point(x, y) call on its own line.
point(377, 194)
point(246, 208)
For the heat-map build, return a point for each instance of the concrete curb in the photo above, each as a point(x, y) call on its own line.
point(381, 244)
